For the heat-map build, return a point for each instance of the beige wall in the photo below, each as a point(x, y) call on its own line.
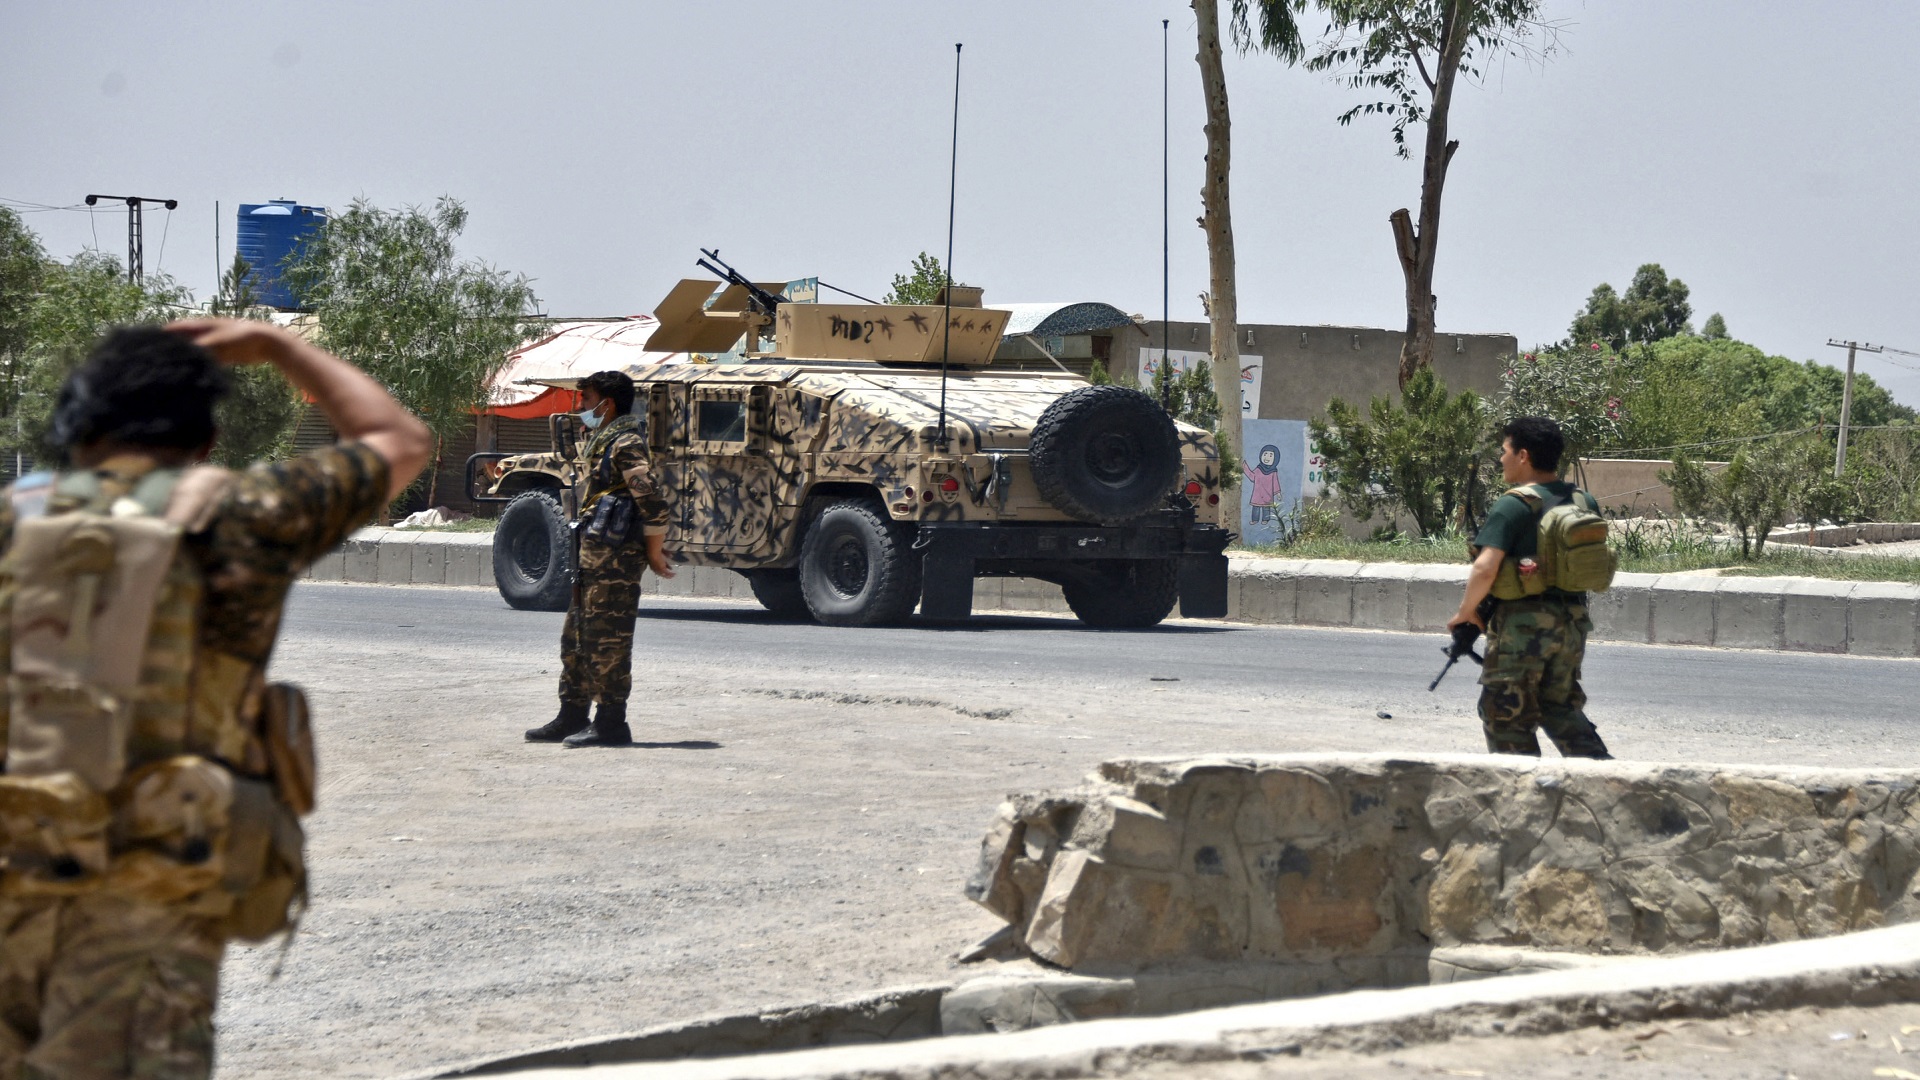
point(1631, 487)
point(1303, 367)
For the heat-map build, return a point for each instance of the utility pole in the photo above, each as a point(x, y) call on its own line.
point(1846, 399)
point(136, 231)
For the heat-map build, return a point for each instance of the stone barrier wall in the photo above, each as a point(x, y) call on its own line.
point(1867, 618)
point(1313, 858)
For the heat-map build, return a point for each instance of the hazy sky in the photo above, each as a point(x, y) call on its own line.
point(1762, 151)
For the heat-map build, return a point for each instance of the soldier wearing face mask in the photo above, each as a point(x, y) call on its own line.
point(622, 532)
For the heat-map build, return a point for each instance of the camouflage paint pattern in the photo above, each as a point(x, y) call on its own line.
point(99, 986)
point(596, 641)
point(850, 426)
point(1531, 679)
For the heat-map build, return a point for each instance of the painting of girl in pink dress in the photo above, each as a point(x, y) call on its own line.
point(1263, 479)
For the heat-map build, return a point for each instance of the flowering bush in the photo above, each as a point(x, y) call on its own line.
point(1582, 387)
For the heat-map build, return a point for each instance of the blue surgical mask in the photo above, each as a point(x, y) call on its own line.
point(590, 419)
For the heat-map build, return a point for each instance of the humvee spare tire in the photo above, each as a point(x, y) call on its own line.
point(533, 553)
point(1106, 454)
point(1125, 593)
point(857, 568)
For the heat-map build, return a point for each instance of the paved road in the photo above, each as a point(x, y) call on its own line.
point(807, 802)
point(1657, 702)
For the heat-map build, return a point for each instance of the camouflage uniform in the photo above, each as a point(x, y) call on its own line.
point(1532, 678)
point(1535, 647)
point(99, 985)
point(596, 643)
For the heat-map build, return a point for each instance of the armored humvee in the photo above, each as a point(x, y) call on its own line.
point(850, 481)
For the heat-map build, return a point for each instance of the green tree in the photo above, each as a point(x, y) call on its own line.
point(392, 295)
point(258, 417)
point(1715, 328)
point(76, 303)
point(1698, 390)
point(1755, 492)
point(1654, 308)
point(922, 285)
point(1411, 53)
point(1418, 458)
point(23, 272)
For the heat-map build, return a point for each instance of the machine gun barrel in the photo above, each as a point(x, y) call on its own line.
point(764, 301)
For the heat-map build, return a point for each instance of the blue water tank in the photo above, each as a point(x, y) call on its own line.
point(269, 235)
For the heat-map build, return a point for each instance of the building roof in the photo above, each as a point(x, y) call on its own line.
point(571, 350)
point(1061, 320)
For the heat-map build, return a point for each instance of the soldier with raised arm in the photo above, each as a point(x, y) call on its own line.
point(152, 780)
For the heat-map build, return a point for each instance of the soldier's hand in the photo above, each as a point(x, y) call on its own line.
point(658, 562)
point(234, 341)
point(1466, 617)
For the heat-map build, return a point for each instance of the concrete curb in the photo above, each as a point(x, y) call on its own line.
point(1862, 618)
point(1868, 968)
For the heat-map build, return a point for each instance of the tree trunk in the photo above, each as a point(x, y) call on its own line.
point(433, 477)
point(1417, 247)
point(1223, 308)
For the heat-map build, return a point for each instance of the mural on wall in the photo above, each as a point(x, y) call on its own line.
point(1183, 361)
point(1279, 468)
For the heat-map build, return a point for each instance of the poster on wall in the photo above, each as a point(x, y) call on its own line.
point(1183, 361)
point(1280, 467)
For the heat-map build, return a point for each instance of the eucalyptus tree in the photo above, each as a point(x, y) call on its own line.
point(1411, 54)
point(391, 295)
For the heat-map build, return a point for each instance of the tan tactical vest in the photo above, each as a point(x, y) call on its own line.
point(134, 758)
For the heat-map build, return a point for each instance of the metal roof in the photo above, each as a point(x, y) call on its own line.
point(1061, 320)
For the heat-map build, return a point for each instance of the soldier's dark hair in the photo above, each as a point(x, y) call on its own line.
point(142, 386)
point(1540, 438)
point(615, 386)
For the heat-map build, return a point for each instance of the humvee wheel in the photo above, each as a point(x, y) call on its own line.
point(533, 553)
point(1125, 593)
point(1106, 454)
point(857, 568)
point(779, 592)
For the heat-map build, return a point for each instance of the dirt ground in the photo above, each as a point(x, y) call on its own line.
point(791, 829)
point(1804, 1044)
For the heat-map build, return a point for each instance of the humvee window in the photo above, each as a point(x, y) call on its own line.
point(721, 421)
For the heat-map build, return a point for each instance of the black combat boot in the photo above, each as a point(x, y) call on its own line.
point(571, 718)
point(609, 728)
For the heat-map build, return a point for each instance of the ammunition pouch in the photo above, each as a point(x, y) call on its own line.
point(1510, 584)
point(612, 520)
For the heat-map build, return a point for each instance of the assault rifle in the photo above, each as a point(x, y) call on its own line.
point(1464, 635)
point(763, 301)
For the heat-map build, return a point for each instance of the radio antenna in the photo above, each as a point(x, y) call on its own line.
point(946, 314)
point(1166, 230)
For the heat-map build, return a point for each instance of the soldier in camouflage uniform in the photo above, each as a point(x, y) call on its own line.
point(1535, 646)
point(621, 532)
point(100, 984)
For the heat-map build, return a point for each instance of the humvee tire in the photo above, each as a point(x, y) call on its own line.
point(533, 553)
point(1124, 594)
point(779, 592)
point(1107, 454)
point(857, 568)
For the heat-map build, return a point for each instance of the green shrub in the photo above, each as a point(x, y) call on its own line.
point(1417, 458)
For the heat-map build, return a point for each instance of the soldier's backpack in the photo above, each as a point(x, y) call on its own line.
point(133, 759)
point(1571, 549)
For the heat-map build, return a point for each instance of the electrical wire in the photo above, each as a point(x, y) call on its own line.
point(161, 259)
point(1642, 450)
point(844, 292)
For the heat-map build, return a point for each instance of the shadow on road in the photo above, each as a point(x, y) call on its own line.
point(975, 625)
